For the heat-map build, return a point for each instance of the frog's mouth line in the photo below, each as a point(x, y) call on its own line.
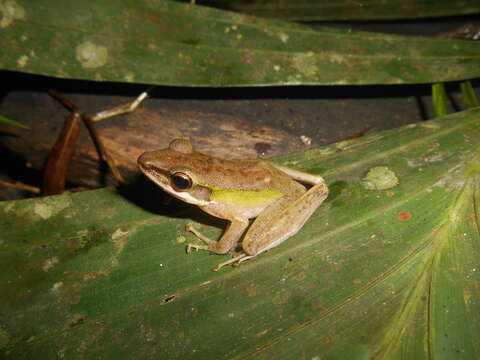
point(157, 176)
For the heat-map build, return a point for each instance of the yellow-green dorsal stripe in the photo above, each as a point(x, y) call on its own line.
point(244, 197)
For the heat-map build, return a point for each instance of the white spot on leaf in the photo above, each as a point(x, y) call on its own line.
point(305, 64)
point(129, 77)
point(42, 210)
point(50, 263)
point(57, 286)
point(90, 55)
point(283, 37)
point(22, 61)
point(380, 178)
point(118, 234)
point(10, 11)
point(51, 207)
point(9, 207)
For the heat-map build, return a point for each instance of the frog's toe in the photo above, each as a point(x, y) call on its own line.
point(199, 235)
point(235, 261)
point(196, 247)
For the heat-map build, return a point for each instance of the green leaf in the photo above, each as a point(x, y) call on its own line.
point(9, 121)
point(169, 43)
point(439, 99)
point(313, 10)
point(469, 94)
point(373, 274)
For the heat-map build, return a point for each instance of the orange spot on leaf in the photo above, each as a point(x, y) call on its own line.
point(405, 215)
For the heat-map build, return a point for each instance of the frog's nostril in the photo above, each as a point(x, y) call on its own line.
point(145, 160)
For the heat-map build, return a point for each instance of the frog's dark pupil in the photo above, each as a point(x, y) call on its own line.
point(181, 181)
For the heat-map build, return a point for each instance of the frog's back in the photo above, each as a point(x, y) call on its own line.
point(244, 174)
point(232, 174)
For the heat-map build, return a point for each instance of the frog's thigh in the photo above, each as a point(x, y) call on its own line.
point(282, 220)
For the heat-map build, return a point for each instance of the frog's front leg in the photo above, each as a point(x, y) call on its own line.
point(211, 247)
point(228, 241)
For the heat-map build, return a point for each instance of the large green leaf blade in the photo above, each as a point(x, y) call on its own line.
point(169, 43)
point(386, 274)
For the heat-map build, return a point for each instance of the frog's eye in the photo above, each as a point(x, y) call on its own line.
point(181, 181)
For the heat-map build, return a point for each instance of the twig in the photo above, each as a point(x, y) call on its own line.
point(21, 186)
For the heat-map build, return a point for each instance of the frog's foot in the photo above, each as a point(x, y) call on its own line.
point(235, 261)
point(210, 244)
point(196, 247)
point(198, 234)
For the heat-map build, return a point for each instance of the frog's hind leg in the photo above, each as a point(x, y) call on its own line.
point(301, 176)
point(282, 220)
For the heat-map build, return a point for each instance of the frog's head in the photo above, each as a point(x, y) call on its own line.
point(176, 170)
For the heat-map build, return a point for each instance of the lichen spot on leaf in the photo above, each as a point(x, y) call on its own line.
point(90, 55)
point(305, 64)
point(380, 178)
point(10, 11)
point(22, 61)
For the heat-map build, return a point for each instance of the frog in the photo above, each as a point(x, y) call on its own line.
point(237, 190)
